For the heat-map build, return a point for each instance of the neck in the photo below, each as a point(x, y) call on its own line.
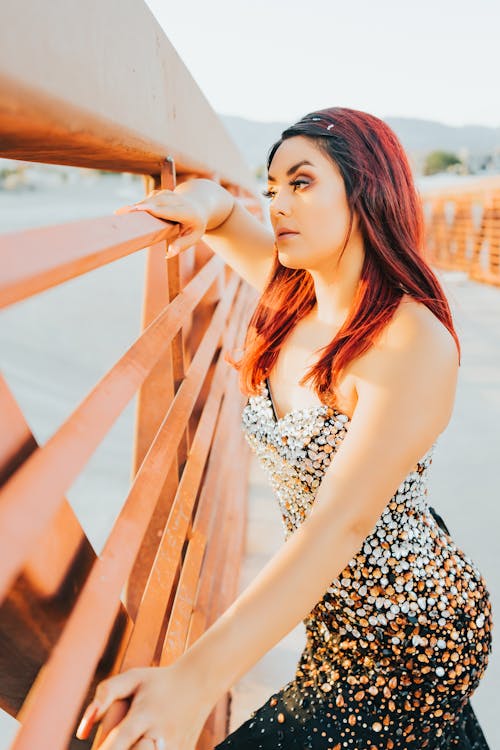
point(336, 286)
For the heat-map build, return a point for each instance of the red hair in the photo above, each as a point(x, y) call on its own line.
point(380, 189)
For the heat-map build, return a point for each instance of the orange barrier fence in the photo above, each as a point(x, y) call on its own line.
point(170, 565)
point(463, 228)
point(176, 545)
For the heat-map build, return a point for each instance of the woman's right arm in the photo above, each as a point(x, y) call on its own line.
point(245, 244)
point(211, 213)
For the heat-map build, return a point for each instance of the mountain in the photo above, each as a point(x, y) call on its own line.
point(417, 136)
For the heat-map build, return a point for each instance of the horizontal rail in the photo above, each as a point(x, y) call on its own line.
point(37, 488)
point(76, 88)
point(94, 611)
point(34, 260)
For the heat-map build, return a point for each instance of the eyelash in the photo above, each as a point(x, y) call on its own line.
point(270, 194)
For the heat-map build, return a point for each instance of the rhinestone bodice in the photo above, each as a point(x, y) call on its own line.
point(409, 596)
point(295, 451)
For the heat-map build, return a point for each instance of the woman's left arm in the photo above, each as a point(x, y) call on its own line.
point(406, 392)
point(406, 386)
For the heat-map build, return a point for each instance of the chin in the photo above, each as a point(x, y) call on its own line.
point(289, 261)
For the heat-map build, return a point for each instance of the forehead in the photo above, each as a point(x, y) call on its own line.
point(294, 150)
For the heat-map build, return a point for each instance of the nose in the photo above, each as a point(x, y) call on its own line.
point(280, 206)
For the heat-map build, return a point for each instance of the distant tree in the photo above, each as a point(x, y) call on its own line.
point(440, 161)
point(260, 172)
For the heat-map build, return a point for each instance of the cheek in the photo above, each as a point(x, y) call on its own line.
point(327, 225)
point(323, 222)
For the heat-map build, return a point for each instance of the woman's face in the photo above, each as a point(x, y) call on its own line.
point(311, 201)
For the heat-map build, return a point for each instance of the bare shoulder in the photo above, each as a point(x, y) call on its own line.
point(415, 333)
point(415, 325)
point(415, 359)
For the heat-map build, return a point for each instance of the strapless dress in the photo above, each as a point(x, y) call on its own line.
point(400, 639)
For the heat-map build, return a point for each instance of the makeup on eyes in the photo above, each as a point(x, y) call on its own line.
point(292, 169)
point(269, 194)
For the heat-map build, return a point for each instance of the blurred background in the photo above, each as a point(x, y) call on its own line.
point(431, 71)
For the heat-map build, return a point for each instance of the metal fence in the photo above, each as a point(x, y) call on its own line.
point(75, 90)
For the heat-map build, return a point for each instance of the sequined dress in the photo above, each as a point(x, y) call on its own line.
point(399, 641)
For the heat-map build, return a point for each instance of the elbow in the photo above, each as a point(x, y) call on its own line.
point(360, 526)
point(349, 525)
point(355, 520)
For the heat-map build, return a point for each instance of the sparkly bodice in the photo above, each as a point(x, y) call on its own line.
point(409, 593)
point(295, 451)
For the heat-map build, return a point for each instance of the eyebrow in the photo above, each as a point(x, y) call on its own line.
point(292, 169)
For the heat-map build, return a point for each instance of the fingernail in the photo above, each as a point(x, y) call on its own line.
point(87, 720)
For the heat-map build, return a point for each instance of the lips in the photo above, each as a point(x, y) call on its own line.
point(286, 232)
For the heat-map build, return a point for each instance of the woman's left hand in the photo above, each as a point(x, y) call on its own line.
point(165, 703)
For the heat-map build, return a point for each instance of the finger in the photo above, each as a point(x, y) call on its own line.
point(146, 202)
point(125, 210)
point(115, 713)
point(148, 743)
point(149, 201)
point(109, 718)
point(145, 207)
point(153, 194)
point(159, 190)
point(173, 249)
point(148, 209)
point(181, 243)
point(124, 735)
point(156, 212)
point(114, 688)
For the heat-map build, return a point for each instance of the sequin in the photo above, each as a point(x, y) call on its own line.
point(400, 639)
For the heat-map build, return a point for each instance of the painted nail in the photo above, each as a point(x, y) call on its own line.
point(87, 720)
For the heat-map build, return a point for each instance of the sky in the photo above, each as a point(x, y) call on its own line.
point(275, 60)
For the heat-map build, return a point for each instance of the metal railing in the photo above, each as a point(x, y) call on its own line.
point(463, 228)
point(170, 564)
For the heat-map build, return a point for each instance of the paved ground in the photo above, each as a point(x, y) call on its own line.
point(463, 486)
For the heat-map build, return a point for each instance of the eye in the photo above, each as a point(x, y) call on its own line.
point(267, 193)
point(271, 193)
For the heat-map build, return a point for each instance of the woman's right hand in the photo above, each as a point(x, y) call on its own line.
point(177, 208)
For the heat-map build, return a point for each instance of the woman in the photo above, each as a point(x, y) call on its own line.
point(350, 364)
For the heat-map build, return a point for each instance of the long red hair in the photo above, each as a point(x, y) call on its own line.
point(380, 189)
